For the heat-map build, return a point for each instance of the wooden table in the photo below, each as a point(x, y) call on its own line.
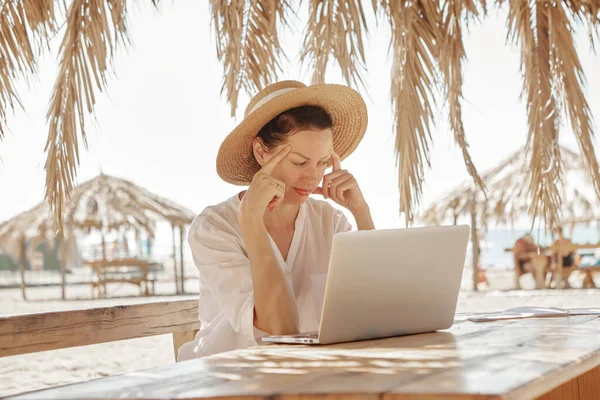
point(518, 359)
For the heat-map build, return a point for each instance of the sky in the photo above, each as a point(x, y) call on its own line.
point(162, 118)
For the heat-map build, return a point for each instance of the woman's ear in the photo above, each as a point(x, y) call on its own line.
point(259, 151)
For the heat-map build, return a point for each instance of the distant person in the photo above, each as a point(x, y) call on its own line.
point(481, 276)
point(522, 250)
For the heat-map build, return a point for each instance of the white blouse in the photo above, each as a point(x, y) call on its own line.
point(226, 304)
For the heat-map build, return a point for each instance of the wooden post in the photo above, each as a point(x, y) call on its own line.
point(175, 261)
point(103, 246)
point(559, 266)
point(138, 247)
point(181, 238)
point(22, 267)
point(124, 244)
point(474, 241)
point(61, 260)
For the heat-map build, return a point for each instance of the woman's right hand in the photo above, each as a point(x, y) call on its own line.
point(265, 192)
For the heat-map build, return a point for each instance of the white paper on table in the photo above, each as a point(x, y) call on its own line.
point(533, 312)
point(584, 311)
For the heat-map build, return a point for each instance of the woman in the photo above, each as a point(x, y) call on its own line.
point(522, 250)
point(259, 252)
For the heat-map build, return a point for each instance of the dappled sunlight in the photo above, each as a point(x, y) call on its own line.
point(255, 358)
point(415, 354)
point(369, 370)
point(230, 377)
point(550, 356)
point(147, 374)
point(289, 371)
point(491, 357)
point(415, 364)
point(290, 364)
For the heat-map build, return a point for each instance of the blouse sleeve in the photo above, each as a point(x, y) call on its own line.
point(225, 269)
point(341, 223)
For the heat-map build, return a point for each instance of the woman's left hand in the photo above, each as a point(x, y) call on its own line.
point(341, 187)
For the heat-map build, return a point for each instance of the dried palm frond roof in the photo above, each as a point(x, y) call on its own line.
point(508, 197)
point(426, 47)
point(105, 203)
point(585, 222)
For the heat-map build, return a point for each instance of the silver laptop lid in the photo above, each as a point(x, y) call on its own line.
point(392, 282)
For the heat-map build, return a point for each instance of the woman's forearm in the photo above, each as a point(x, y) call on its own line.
point(364, 221)
point(275, 308)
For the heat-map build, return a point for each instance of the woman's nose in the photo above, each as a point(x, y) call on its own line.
point(311, 175)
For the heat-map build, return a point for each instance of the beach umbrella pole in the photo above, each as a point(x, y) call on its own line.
point(103, 246)
point(22, 268)
point(62, 259)
point(181, 235)
point(475, 242)
point(175, 261)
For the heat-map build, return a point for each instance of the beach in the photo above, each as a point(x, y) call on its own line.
point(436, 120)
point(40, 370)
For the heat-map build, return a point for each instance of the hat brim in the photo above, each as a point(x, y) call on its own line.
point(346, 107)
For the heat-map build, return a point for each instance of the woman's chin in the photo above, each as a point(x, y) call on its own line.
point(296, 198)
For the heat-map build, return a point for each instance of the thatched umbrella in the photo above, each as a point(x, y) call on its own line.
point(584, 221)
point(105, 204)
point(426, 38)
point(508, 198)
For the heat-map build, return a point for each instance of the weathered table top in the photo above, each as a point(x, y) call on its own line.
point(518, 359)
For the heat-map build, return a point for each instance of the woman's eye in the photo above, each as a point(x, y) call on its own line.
point(303, 163)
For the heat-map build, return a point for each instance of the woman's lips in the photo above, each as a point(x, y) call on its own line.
point(303, 192)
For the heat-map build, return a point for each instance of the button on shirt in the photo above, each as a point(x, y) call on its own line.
point(226, 303)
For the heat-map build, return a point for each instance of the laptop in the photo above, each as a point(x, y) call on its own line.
point(392, 282)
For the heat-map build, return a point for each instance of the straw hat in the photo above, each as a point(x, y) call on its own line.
point(235, 163)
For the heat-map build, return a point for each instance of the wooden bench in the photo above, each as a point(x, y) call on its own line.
point(32, 333)
point(118, 271)
point(561, 273)
point(588, 280)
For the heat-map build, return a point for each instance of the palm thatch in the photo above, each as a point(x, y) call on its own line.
point(105, 203)
point(451, 56)
point(553, 81)
point(414, 36)
point(508, 196)
point(335, 28)
point(247, 44)
point(427, 51)
point(21, 23)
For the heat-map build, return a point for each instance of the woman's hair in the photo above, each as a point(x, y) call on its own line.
point(293, 120)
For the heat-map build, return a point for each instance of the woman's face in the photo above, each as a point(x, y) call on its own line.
point(303, 169)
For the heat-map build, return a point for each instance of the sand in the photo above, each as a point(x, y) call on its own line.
point(39, 370)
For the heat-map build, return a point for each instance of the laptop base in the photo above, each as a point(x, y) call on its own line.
point(301, 338)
